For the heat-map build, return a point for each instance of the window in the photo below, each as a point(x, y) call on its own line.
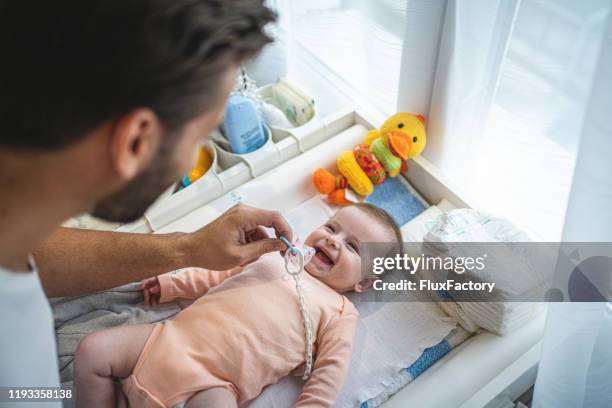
point(356, 44)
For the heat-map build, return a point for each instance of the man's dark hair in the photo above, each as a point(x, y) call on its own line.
point(68, 66)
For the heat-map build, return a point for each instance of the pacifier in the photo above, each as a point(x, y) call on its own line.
point(297, 256)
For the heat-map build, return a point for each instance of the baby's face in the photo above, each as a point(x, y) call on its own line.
point(337, 261)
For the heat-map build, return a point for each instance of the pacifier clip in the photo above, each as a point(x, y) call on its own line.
point(294, 265)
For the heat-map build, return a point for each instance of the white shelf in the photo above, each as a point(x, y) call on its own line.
point(230, 171)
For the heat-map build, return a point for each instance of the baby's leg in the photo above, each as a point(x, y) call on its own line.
point(103, 355)
point(213, 398)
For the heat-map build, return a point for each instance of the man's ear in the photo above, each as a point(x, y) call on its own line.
point(366, 283)
point(134, 141)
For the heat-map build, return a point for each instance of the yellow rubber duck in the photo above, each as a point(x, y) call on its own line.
point(403, 133)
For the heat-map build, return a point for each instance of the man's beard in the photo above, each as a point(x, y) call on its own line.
point(131, 202)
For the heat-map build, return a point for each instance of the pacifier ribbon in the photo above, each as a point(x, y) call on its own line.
point(298, 255)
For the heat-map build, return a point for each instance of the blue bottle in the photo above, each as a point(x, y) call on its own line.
point(243, 126)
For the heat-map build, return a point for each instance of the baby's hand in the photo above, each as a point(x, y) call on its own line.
point(151, 291)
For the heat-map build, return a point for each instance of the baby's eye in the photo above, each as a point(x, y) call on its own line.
point(329, 227)
point(353, 247)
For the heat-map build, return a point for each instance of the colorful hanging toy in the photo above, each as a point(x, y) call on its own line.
point(383, 153)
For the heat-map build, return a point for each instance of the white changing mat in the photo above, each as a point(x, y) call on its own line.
point(389, 337)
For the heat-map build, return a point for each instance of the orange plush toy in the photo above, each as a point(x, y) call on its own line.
point(384, 153)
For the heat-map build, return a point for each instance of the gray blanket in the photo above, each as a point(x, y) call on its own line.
point(75, 317)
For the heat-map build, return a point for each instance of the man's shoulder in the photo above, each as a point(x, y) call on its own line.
point(27, 340)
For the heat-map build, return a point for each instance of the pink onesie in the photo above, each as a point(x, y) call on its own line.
point(244, 334)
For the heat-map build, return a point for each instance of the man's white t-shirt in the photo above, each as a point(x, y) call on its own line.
point(28, 353)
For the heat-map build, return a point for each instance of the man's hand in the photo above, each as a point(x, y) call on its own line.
point(236, 238)
point(74, 262)
point(151, 291)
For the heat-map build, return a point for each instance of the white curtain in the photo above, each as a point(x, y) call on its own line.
point(508, 102)
point(576, 365)
point(474, 42)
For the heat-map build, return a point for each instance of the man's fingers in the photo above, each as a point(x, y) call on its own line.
point(147, 282)
point(146, 296)
point(271, 219)
point(238, 236)
point(248, 261)
point(257, 234)
point(258, 248)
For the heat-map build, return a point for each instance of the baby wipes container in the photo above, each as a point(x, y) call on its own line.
point(292, 117)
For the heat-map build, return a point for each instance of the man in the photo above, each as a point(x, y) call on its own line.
point(102, 105)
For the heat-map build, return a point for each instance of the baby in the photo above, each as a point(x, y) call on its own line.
point(244, 331)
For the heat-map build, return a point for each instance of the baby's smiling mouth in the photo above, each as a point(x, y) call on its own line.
point(323, 256)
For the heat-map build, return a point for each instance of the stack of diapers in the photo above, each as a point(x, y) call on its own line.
point(509, 264)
